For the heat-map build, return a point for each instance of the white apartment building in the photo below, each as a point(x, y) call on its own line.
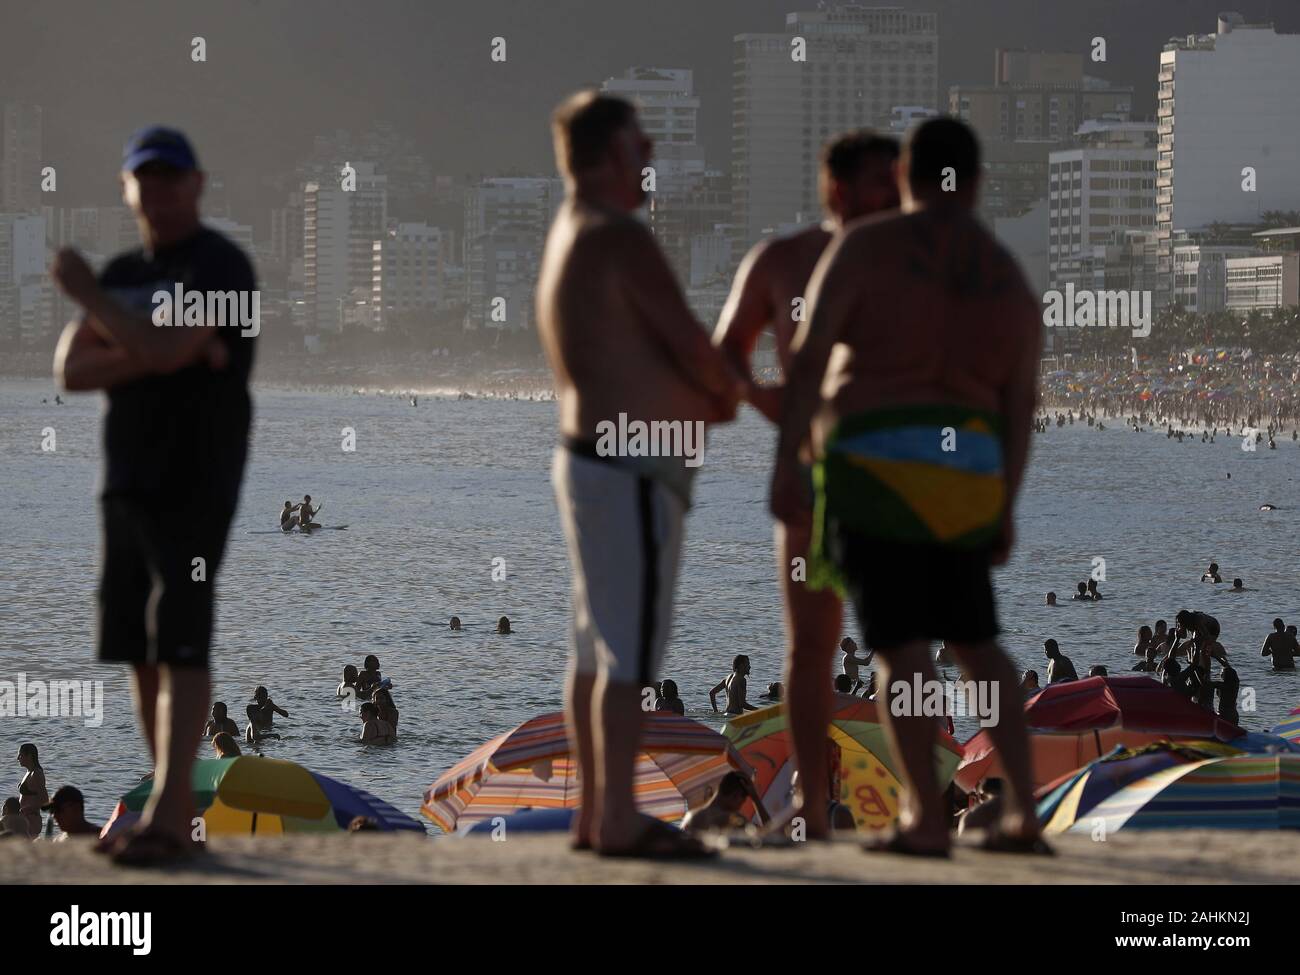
point(506, 222)
point(1227, 103)
point(407, 272)
point(859, 62)
point(1262, 283)
point(339, 229)
point(1105, 182)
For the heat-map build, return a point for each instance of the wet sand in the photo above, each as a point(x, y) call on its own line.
point(1191, 857)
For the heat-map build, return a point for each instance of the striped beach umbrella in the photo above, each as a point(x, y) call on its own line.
point(532, 767)
point(868, 777)
point(253, 794)
point(1238, 792)
point(1290, 728)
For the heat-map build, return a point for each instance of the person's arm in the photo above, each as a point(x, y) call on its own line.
point(1019, 400)
point(747, 312)
point(830, 302)
point(276, 708)
point(1265, 651)
point(83, 361)
point(713, 694)
point(657, 297)
point(151, 348)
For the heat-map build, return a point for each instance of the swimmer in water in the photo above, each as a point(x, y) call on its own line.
point(1051, 599)
point(1059, 667)
point(454, 624)
point(503, 625)
point(1082, 594)
point(1237, 586)
point(734, 684)
point(1280, 646)
point(852, 661)
point(1093, 592)
point(219, 722)
point(668, 699)
point(1212, 573)
point(1029, 683)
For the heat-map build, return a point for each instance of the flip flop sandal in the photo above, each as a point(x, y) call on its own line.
point(899, 844)
point(663, 842)
point(153, 848)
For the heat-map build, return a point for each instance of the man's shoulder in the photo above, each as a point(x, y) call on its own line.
point(216, 246)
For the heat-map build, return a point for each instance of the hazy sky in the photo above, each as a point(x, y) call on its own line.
point(278, 73)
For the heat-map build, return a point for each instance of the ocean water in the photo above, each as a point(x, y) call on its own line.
point(434, 494)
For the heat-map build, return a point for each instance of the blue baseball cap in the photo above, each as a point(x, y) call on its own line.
point(158, 144)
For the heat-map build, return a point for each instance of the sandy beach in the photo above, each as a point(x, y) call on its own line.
point(1191, 857)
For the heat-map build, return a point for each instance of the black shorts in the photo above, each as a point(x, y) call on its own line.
point(151, 608)
point(905, 592)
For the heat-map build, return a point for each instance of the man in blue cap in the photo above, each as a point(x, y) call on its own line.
point(175, 443)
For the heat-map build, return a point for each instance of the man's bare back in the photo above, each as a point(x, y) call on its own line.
point(617, 330)
point(941, 314)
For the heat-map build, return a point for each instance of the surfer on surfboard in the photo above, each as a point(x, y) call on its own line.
point(307, 515)
point(288, 516)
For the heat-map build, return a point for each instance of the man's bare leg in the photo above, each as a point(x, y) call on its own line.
point(144, 684)
point(181, 705)
point(617, 707)
point(812, 624)
point(922, 822)
point(986, 662)
point(578, 693)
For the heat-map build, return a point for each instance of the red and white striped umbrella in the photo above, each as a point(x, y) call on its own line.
point(531, 767)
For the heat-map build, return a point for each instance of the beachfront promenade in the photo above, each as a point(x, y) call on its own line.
point(1166, 857)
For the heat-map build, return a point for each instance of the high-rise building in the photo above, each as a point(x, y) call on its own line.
point(1104, 181)
point(1229, 128)
point(407, 273)
point(21, 148)
point(339, 229)
point(841, 67)
point(667, 107)
point(26, 296)
point(1037, 95)
point(506, 222)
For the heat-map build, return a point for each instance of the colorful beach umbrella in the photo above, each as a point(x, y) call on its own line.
point(1074, 722)
point(1080, 792)
point(869, 783)
point(253, 794)
point(530, 767)
point(1290, 728)
point(1238, 792)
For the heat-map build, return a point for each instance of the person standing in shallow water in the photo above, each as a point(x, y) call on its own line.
point(176, 441)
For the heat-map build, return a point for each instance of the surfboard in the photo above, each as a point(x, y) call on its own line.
point(301, 531)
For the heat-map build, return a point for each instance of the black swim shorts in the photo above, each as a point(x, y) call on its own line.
point(151, 608)
point(905, 592)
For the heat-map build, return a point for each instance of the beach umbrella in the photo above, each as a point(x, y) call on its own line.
point(1290, 728)
point(1074, 722)
point(1078, 793)
point(253, 794)
point(1235, 792)
point(869, 778)
point(531, 767)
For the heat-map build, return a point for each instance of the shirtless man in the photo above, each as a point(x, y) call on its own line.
point(856, 180)
point(920, 355)
point(851, 663)
point(288, 518)
point(1280, 647)
point(307, 515)
point(736, 686)
point(620, 339)
point(220, 721)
